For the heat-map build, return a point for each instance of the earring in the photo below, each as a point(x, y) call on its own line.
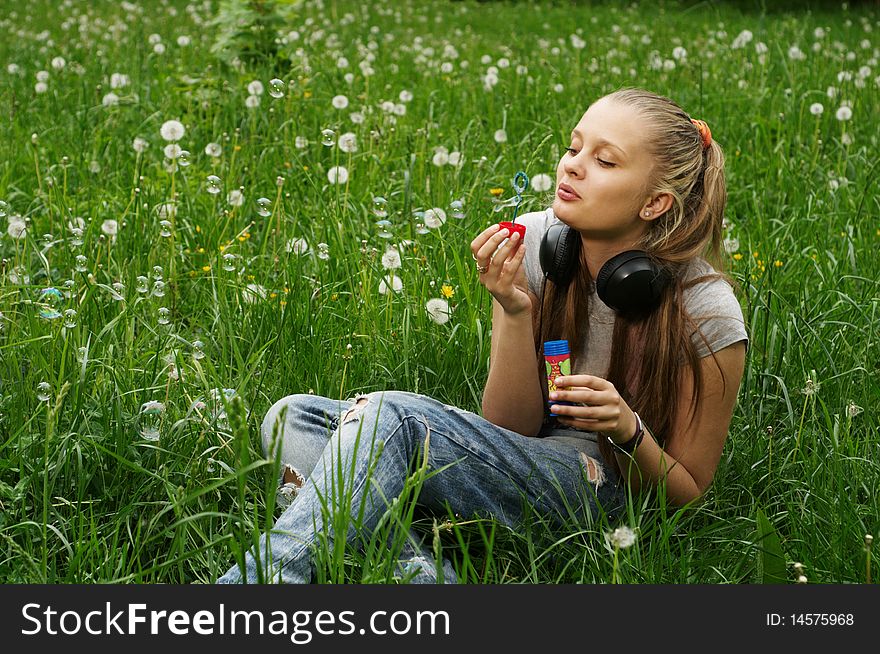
point(647, 213)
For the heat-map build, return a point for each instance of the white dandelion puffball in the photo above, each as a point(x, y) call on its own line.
point(110, 100)
point(395, 284)
point(255, 87)
point(844, 113)
point(438, 310)
point(441, 157)
point(253, 293)
point(348, 142)
point(235, 198)
point(252, 101)
point(337, 175)
point(500, 136)
point(405, 96)
point(542, 182)
point(620, 538)
point(391, 259)
point(110, 227)
point(455, 159)
point(172, 130)
point(118, 81)
point(435, 217)
point(139, 145)
point(172, 151)
point(297, 246)
point(41, 87)
point(16, 230)
point(339, 102)
point(301, 143)
point(213, 150)
point(816, 108)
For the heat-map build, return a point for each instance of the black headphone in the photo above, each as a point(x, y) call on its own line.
point(631, 282)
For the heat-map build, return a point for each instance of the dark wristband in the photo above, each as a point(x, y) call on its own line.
point(630, 446)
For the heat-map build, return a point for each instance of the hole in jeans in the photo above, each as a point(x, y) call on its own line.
point(595, 472)
point(351, 414)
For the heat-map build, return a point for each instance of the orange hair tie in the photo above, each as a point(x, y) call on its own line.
point(705, 132)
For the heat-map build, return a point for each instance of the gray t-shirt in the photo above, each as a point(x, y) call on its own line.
point(711, 304)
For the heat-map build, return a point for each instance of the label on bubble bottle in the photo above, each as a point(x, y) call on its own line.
point(557, 361)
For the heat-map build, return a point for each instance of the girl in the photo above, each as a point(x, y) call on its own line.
point(653, 384)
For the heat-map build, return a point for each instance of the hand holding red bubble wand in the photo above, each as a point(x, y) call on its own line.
point(498, 252)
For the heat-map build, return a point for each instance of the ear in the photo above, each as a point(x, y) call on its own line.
point(656, 207)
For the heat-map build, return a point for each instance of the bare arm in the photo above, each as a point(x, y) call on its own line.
point(693, 450)
point(513, 398)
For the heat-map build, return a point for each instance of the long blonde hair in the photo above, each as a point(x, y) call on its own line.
point(649, 355)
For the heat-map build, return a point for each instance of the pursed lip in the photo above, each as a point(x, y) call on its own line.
point(568, 189)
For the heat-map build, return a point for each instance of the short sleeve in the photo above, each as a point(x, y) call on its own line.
point(716, 311)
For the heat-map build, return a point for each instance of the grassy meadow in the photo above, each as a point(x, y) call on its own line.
point(207, 206)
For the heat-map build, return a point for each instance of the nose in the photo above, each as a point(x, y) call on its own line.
point(573, 167)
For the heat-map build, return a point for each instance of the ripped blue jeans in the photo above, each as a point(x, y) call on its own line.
point(491, 471)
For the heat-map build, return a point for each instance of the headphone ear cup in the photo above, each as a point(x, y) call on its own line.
point(631, 283)
point(558, 254)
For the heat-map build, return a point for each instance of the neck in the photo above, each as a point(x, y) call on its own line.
point(597, 251)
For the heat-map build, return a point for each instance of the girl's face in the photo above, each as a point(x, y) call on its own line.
point(602, 178)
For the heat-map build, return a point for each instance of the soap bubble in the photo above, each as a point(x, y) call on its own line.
point(76, 237)
point(328, 137)
point(229, 262)
point(213, 184)
point(44, 391)
point(217, 407)
point(163, 314)
point(68, 285)
point(51, 299)
point(70, 318)
point(158, 288)
point(81, 263)
point(264, 207)
point(157, 272)
point(384, 228)
point(456, 209)
point(143, 284)
point(276, 88)
point(198, 350)
point(164, 228)
point(4, 209)
point(380, 206)
point(150, 419)
point(183, 158)
point(118, 291)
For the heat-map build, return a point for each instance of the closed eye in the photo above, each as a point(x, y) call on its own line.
point(602, 162)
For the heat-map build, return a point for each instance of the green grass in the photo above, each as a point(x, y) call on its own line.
point(84, 497)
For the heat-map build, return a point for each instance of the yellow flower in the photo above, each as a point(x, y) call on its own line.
point(272, 296)
point(334, 297)
point(738, 256)
point(193, 273)
point(201, 250)
point(206, 268)
point(755, 254)
point(307, 94)
point(198, 229)
point(447, 291)
point(777, 263)
point(496, 191)
point(237, 148)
